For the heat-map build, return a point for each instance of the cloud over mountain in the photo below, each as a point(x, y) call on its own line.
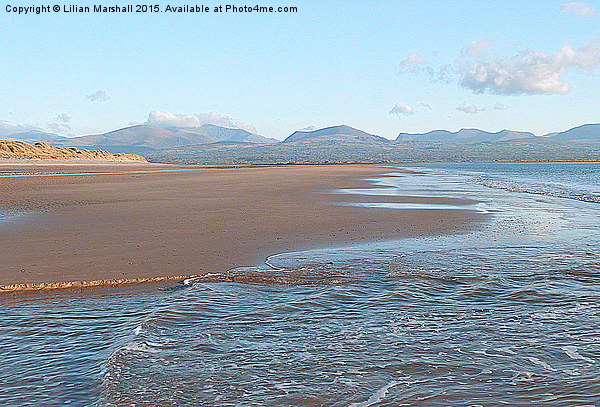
point(402, 109)
point(63, 118)
point(7, 128)
point(60, 124)
point(168, 119)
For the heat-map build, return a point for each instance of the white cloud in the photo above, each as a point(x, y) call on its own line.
point(60, 125)
point(425, 106)
point(6, 128)
point(308, 128)
point(579, 9)
point(60, 128)
point(402, 109)
point(526, 73)
point(63, 118)
point(98, 96)
point(471, 109)
point(413, 64)
point(478, 48)
point(168, 119)
point(529, 72)
point(446, 73)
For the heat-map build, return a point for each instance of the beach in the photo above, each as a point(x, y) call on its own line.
point(135, 227)
point(477, 279)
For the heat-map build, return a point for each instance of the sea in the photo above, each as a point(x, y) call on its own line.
point(506, 314)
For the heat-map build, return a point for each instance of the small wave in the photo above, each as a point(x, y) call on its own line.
point(540, 362)
point(140, 347)
point(572, 352)
point(535, 188)
point(377, 397)
point(317, 273)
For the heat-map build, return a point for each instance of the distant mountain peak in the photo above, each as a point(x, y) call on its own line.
point(141, 138)
point(339, 132)
point(586, 132)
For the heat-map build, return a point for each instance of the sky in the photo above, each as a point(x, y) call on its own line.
point(384, 67)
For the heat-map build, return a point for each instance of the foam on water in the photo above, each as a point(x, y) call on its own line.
point(572, 352)
point(413, 206)
point(377, 397)
point(536, 188)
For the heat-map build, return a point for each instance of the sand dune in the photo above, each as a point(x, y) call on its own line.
point(41, 150)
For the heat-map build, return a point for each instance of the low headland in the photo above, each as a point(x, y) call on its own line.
point(15, 149)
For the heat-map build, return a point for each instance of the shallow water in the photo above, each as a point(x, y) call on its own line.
point(9, 216)
point(66, 174)
point(506, 315)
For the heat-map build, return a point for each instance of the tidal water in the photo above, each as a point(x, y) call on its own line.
point(508, 314)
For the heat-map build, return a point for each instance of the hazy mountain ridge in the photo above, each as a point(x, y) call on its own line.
point(140, 139)
point(330, 144)
point(341, 133)
point(586, 133)
point(344, 144)
point(32, 136)
point(216, 133)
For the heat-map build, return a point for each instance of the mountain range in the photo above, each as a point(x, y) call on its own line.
point(140, 139)
point(584, 133)
point(145, 138)
point(31, 136)
point(334, 133)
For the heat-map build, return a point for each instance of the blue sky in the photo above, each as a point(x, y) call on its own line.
point(433, 64)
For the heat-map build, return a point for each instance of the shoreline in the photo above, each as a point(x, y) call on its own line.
point(86, 284)
point(102, 231)
point(496, 162)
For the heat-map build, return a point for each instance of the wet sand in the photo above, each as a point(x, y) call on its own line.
point(79, 231)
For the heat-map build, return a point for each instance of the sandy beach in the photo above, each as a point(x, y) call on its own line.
point(128, 228)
